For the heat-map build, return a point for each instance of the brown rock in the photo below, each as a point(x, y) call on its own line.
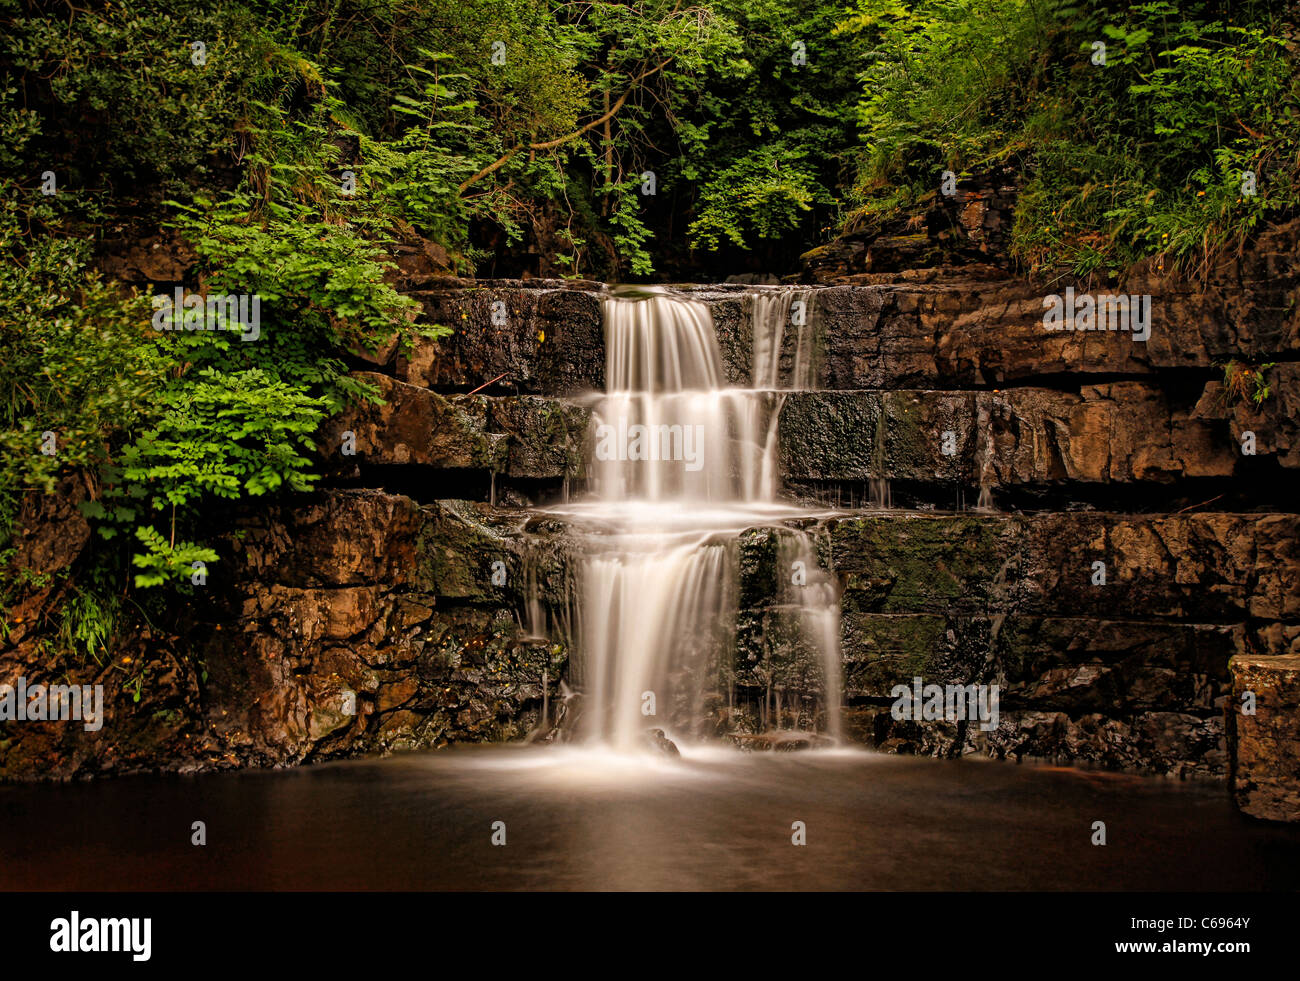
point(1266, 745)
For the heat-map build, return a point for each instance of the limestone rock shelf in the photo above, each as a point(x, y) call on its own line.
point(1034, 438)
point(946, 330)
point(1265, 741)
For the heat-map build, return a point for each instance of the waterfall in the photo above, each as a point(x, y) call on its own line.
point(682, 465)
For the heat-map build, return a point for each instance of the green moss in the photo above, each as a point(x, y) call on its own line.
point(910, 564)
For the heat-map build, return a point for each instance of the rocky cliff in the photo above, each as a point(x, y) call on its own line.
point(1094, 522)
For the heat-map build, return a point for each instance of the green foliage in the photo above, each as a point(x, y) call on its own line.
point(162, 423)
point(1243, 382)
point(767, 141)
point(761, 194)
point(321, 287)
point(78, 359)
point(416, 177)
point(124, 80)
point(165, 562)
point(940, 81)
point(1144, 155)
point(18, 127)
point(87, 621)
point(224, 434)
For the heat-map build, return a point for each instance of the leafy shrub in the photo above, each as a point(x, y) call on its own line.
point(1144, 155)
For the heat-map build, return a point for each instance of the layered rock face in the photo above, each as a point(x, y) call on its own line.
point(348, 622)
point(1127, 672)
point(1139, 521)
point(365, 622)
point(1092, 522)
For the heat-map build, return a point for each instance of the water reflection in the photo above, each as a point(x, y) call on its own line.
point(582, 818)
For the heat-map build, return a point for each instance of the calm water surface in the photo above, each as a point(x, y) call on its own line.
point(579, 819)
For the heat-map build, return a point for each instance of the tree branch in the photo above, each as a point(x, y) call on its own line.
point(502, 160)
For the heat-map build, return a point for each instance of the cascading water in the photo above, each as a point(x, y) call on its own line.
point(683, 464)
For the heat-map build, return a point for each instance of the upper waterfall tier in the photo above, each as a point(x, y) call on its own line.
point(657, 341)
point(669, 428)
point(660, 343)
point(776, 312)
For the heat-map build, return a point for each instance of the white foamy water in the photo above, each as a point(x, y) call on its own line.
point(684, 464)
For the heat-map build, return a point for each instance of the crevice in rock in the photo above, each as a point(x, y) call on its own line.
point(428, 484)
point(1259, 485)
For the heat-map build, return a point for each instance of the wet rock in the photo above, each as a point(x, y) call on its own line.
point(322, 636)
point(962, 333)
point(527, 437)
point(416, 426)
point(657, 741)
point(1170, 743)
point(1050, 663)
point(1205, 566)
point(780, 741)
point(1117, 433)
point(550, 343)
point(1009, 600)
point(335, 538)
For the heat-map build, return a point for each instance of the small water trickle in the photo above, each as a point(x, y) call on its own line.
point(775, 314)
point(534, 625)
point(881, 496)
point(546, 698)
point(812, 593)
point(986, 453)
